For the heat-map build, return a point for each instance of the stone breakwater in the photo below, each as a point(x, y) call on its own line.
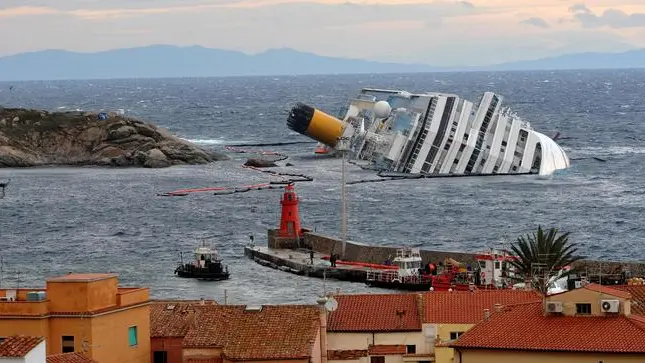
point(355, 251)
point(37, 137)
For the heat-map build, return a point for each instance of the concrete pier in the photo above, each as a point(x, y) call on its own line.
point(298, 261)
point(293, 256)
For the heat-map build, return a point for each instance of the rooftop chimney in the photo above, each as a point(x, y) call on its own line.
point(486, 314)
point(498, 308)
point(323, 328)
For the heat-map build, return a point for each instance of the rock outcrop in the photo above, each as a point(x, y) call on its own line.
point(35, 137)
point(260, 163)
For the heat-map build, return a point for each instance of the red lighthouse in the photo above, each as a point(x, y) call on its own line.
point(290, 219)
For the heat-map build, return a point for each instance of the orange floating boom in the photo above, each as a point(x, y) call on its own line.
point(212, 189)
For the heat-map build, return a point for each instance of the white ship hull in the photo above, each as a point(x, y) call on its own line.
point(434, 133)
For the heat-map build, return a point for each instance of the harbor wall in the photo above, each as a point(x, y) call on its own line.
point(355, 251)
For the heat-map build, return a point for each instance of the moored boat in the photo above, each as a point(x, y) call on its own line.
point(491, 272)
point(207, 265)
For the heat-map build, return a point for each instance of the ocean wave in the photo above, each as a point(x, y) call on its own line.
point(610, 150)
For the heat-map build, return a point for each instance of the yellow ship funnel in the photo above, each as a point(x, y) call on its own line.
point(316, 124)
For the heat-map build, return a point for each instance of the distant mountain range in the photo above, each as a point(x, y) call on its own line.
point(172, 61)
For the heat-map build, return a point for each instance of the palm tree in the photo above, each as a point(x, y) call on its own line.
point(541, 255)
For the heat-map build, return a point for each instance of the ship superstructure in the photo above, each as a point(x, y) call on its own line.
point(433, 133)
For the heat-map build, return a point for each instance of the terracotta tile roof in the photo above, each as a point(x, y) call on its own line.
point(638, 320)
point(69, 358)
point(638, 297)
point(346, 354)
point(204, 360)
point(274, 332)
point(608, 290)
point(610, 334)
point(465, 307)
point(386, 349)
point(18, 345)
point(375, 313)
point(170, 318)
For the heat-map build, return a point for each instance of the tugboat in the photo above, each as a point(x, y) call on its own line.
point(207, 265)
point(406, 277)
point(492, 272)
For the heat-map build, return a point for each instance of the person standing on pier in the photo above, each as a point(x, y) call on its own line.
point(311, 256)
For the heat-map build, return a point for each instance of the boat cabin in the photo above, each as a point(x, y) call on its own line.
point(494, 267)
point(408, 260)
point(205, 255)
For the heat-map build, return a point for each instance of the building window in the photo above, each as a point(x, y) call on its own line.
point(160, 356)
point(132, 336)
point(454, 335)
point(411, 349)
point(583, 309)
point(68, 344)
point(379, 359)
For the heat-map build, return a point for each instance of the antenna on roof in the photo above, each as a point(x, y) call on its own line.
point(324, 282)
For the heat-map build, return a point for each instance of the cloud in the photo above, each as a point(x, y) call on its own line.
point(26, 11)
point(64, 5)
point(535, 21)
point(407, 31)
point(612, 18)
point(89, 9)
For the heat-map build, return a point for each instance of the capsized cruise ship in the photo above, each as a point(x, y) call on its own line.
point(432, 133)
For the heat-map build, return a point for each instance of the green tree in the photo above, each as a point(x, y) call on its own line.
point(542, 254)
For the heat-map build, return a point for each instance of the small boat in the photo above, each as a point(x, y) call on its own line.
point(3, 185)
point(322, 149)
point(207, 265)
point(492, 272)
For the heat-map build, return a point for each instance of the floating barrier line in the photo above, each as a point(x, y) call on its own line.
point(287, 178)
point(183, 192)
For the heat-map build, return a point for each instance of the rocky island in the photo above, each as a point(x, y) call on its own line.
point(36, 137)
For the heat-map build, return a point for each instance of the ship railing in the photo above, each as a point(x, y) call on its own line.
point(382, 276)
point(407, 252)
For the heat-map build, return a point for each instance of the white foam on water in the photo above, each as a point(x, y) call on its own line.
point(215, 141)
point(206, 141)
point(611, 150)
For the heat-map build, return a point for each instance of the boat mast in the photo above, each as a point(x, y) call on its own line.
point(343, 148)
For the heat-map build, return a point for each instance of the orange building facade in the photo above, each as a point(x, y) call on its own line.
point(85, 313)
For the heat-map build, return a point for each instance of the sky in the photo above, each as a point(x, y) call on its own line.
point(442, 33)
